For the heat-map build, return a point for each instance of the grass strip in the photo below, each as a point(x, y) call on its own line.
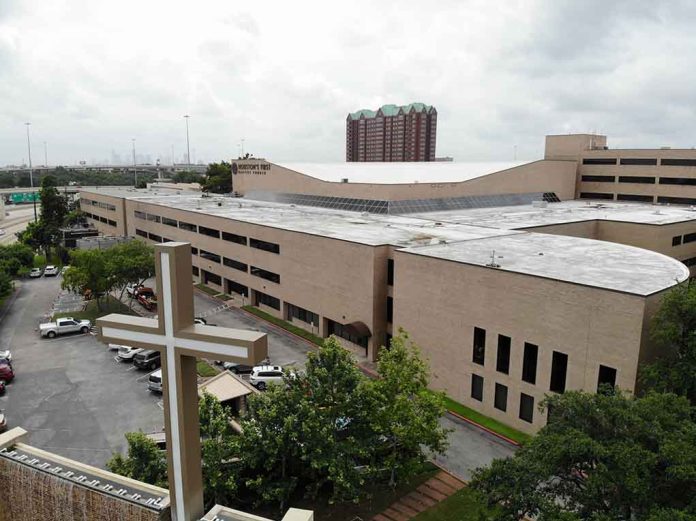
point(285, 325)
point(92, 312)
point(489, 423)
point(210, 291)
point(463, 505)
point(203, 368)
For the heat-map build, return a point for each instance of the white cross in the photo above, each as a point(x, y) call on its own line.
point(179, 342)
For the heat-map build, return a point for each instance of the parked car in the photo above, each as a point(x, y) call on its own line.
point(126, 353)
point(50, 271)
point(200, 320)
point(3, 421)
point(64, 269)
point(132, 289)
point(154, 382)
point(6, 355)
point(35, 273)
point(262, 375)
point(63, 326)
point(237, 368)
point(115, 347)
point(146, 297)
point(147, 359)
point(6, 373)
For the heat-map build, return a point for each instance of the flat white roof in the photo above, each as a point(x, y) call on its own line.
point(470, 235)
point(399, 173)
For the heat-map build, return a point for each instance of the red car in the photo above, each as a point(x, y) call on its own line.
point(6, 372)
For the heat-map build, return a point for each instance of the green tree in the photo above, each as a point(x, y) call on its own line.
point(89, 270)
point(188, 177)
point(218, 178)
point(129, 263)
point(674, 333)
point(143, 461)
point(54, 207)
point(408, 415)
point(219, 451)
point(603, 456)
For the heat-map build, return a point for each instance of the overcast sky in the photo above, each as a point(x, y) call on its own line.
point(91, 75)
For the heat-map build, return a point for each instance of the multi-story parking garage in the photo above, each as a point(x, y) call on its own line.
point(512, 288)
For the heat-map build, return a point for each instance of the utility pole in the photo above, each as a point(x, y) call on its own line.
point(188, 149)
point(135, 168)
point(31, 172)
point(45, 155)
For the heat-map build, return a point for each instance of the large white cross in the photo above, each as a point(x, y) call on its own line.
point(180, 342)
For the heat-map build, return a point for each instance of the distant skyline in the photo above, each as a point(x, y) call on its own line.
point(91, 76)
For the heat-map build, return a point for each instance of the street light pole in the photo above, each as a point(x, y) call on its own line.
point(188, 148)
point(45, 155)
point(135, 168)
point(31, 172)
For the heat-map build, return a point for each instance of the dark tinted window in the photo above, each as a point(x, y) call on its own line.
point(211, 277)
point(636, 179)
point(188, 226)
point(302, 314)
point(479, 345)
point(234, 264)
point(232, 237)
point(264, 274)
point(529, 364)
point(390, 272)
point(170, 222)
point(390, 309)
point(676, 240)
point(595, 195)
point(689, 237)
point(599, 161)
point(559, 368)
point(607, 376)
point(678, 162)
point(676, 200)
point(635, 197)
point(638, 161)
point(210, 232)
point(599, 178)
point(195, 271)
point(154, 237)
point(142, 233)
point(501, 392)
point(678, 181)
point(268, 300)
point(477, 387)
point(213, 257)
point(264, 245)
point(689, 262)
point(236, 287)
point(503, 359)
point(526, 408)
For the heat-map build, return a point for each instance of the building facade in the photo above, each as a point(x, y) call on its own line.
point(392, 133)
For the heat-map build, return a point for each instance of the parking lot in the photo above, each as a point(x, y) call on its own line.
point(70, 393)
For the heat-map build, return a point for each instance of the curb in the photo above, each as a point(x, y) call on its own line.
point(486, 429)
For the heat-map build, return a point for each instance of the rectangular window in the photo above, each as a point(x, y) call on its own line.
point(479, 346)
point(194, 251)
point(210, 232)
point(264, 274)
point(503, 360)
point(112, 223)
point(635, 197)
point(676, 200)
point(689, 237)
point(142, 233)
point(526, 408)
point(390, 309)
point(188, 226)
point(211, 277)
point(637, 179)
point(390, 272)
point(599, 161)
point(236, 287)
point(213, 257)
point(689, 181)
point(599, 178)
point(595, 195)
point(139, 215)
point(638, 161)
point(231, 263)
point(302, 314)
point(477, 387)
point(264, 245)
point(153, 218)
point(154, 237)
point(529, 363)
point(607, 376)
point(195, 270)
point(233, 237)
point(559, 368)
point(170, 222)
point(334, 328)
point(501, 392)
point(676, 240)
point(678, 162)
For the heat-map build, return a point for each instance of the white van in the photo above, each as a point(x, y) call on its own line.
point(154, 382)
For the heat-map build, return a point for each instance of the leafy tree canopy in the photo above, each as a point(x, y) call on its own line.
point(603, 456)
point(218, 178)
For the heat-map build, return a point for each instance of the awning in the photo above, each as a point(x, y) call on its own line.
point(357, 328)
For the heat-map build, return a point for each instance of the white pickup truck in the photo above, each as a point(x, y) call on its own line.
point(63, 326)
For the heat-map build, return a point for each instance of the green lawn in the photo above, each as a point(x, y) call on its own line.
point(463, 505)
point(208, 290)
point(285, 325)
point(203, 368)
point(108, 305)
point(489, 423)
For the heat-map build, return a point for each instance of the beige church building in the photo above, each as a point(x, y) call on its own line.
point(515, 279)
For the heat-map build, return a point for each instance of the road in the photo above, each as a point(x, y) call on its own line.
point(18, 219)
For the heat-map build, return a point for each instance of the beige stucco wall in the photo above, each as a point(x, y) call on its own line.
point(118, 215)
point(439, 303)
point(538, 176)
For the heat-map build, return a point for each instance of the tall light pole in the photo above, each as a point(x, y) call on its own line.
point(188, 148)
point(45, 155)
point(31, 171)
point(135, 169)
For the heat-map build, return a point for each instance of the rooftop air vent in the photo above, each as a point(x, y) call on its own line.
point(344, 180)
point(438, 224)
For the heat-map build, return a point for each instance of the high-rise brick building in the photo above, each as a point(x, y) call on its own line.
point(392, 133)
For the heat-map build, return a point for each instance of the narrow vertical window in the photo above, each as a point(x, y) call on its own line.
point(503, 359)
point(607, 376)
point(559, 369)
point(477, 387)
point(479, 345)
point(529, 363)
point(501, 393)
point(526, 408)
